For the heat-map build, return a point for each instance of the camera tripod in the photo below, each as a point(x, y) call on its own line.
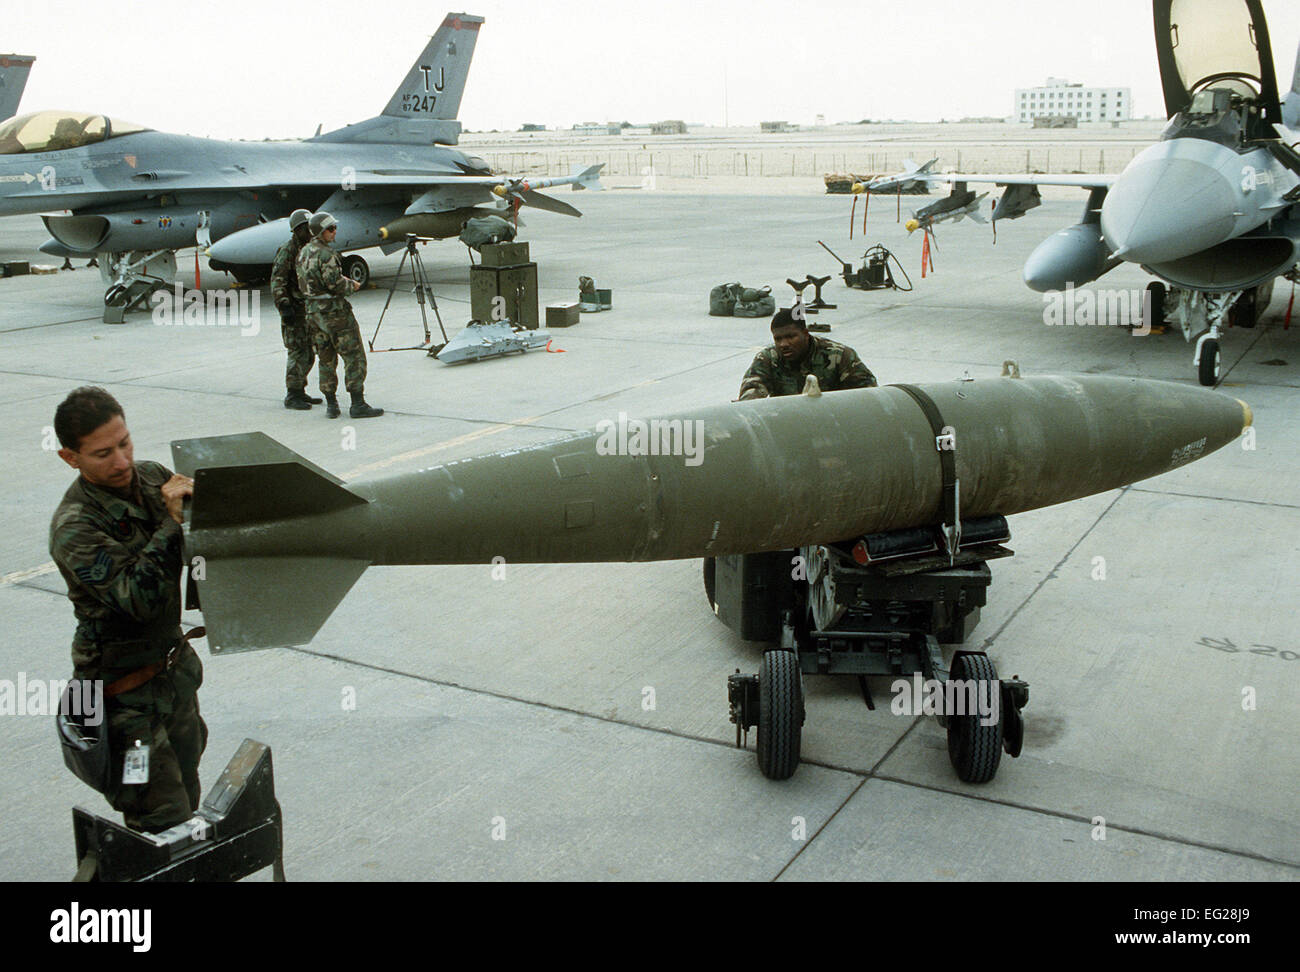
point(423, 290)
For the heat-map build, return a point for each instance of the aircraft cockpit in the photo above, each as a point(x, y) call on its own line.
point(1216, 70)
point(1226, 113)
point(55, 131)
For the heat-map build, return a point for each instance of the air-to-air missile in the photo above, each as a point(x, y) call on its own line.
point(910, 177)
point(959, 203)
point(282, 540)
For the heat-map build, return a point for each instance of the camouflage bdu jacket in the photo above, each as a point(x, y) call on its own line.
point(836, 366)
point(323, 286)
point(121, 560)
point(285, 292)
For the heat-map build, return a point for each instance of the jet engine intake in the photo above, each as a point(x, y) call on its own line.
point(173, 228)
point(1238, 264)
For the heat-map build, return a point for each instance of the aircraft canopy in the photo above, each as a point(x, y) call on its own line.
point(53, 131)
point(1214, 44)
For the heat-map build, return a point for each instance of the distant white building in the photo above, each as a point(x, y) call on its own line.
point(1059, 97)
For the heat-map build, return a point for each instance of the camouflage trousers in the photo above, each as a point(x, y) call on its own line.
point(300, 345)
point(340, 337)
point(176, 740)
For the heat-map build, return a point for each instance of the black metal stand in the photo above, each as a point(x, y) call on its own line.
point(237, 831)
point(423, 291)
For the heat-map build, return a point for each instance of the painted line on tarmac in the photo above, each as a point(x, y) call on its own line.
point(18, 576)
point(439, 446)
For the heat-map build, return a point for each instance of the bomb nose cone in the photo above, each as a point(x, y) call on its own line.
point(1167, 208)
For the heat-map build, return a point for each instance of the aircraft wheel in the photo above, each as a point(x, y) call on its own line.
point(115, 296)
point(975, 749)
point(780, 714)
point(711, 582)
point(357, 269)
point(1153, 308)
point(1211, 364)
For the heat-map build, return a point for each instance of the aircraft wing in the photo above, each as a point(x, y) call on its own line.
point(1082, 181)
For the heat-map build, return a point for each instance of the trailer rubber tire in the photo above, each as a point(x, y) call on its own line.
point(974, 749)
point(780, 714)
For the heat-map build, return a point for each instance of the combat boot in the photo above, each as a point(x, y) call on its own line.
point(331, 405)
point(360, 409)
point(295, 399)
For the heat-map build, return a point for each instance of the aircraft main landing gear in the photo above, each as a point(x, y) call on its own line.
point(356, 268)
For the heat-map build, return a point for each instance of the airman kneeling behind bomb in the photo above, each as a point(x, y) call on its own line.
point(783, 369)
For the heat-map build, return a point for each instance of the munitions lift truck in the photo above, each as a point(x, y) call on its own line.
point(879, 606)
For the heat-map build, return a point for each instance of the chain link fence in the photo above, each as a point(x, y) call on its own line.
point(702, 163)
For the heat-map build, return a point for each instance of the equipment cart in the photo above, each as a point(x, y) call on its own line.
point(879, 606)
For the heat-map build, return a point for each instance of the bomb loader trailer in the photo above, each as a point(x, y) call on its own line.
point(879, 607)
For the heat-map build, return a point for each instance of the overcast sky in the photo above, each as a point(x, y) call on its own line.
point(243, 69)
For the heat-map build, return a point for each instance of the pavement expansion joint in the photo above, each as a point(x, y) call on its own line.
point(1078, 818)
point(991, 639)
point(1217, 499)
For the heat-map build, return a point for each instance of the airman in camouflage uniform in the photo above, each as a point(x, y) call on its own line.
point(324, 286)
point(299, 336)
point(116, 539)
point(795, 354)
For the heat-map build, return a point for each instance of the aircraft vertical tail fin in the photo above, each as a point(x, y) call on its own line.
point(434, 85)
point(1291, 102)
point(14, 69)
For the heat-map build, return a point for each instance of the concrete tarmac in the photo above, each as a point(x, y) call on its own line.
point(570, 722)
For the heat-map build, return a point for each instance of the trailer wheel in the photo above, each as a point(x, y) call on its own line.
point(711, 582)
point(975, 749)
point(780, 714)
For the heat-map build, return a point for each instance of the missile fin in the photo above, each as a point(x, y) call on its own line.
point(266, 602)
point(243, 483)
point(534, 198)
point(250, 478)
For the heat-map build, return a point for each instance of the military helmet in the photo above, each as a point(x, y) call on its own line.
point(320, 222)
point(298, 217)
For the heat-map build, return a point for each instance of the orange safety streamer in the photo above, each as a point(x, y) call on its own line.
point(1286, 325)
point(853, 213)
point(925, 252)
point(196, 269)
point(866, 201)
point(554, 350)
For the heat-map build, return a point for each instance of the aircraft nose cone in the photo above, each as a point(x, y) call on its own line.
point(1166, 209)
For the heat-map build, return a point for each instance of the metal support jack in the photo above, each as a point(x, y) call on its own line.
point(237, 831)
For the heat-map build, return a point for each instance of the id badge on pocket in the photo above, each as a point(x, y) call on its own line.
point(135, 769)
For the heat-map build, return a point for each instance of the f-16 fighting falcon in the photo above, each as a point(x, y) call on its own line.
point(1212, 208)
point(138, 195)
